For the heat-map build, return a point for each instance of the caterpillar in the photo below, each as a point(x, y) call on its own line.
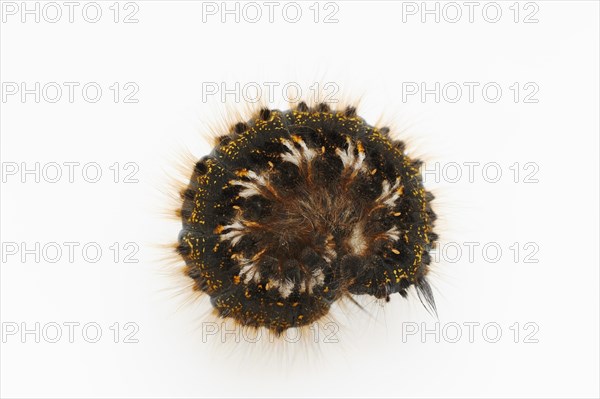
point(295, 209)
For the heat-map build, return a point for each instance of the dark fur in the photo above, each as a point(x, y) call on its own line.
point(310, 209)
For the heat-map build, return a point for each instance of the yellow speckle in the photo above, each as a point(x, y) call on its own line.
point(241, 172)
point(360, 147)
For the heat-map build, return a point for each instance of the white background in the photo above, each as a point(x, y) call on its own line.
point(375, 51)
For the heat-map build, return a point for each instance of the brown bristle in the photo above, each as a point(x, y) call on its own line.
point(350, 112)
point(265, 114)
point(302, 107)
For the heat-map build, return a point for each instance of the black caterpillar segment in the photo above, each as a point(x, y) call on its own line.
point(296, 209)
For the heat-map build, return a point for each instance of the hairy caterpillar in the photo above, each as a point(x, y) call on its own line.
point(294, 210)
